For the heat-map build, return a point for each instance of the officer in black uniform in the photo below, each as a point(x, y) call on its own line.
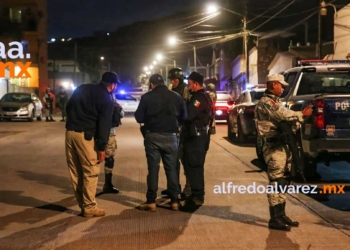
point(195, 137)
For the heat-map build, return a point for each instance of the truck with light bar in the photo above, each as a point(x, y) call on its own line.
point(324, 136)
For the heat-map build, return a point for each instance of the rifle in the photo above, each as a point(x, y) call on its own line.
point(289, 138)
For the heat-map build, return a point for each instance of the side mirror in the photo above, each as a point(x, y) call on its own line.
point(230, 103)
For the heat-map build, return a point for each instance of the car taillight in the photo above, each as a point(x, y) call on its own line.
point(319, 117)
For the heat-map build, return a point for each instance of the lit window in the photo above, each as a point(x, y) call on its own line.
point(16, 15)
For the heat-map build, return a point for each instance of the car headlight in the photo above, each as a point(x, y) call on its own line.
point(24, 108)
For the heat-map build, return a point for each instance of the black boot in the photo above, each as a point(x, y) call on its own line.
point(285, 218)
point(47, 119)
point(108, 187)
point(276, 222)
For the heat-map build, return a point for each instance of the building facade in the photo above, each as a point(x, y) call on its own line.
point(25, 21)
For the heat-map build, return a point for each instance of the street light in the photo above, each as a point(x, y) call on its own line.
point(212, 8)
point(160, 57)
point(323, 12)
point(145, 69)
point(171, 42)
point(151, 67)
point(102, 58)
point(154, 63)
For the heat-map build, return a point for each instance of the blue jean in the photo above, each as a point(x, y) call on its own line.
point(162, 146)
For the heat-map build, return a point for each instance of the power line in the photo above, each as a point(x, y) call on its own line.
point(295, 14)
point(261, 15)
point(273, 16)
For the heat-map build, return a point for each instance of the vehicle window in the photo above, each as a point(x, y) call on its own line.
point(289, 78)
point(16, 98)
point(256, 95)
point(317, 83)
point(223, 97)
point(124, 97)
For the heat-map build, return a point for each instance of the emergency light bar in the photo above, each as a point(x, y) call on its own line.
point(315, 62)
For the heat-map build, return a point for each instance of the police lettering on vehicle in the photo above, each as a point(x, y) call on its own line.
point(341, 105)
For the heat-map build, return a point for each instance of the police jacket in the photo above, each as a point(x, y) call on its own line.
point(89, 110)
point(200, 109)
point(269, 112)
point(161, 110)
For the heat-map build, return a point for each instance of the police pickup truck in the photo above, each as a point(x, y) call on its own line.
point(324, 136)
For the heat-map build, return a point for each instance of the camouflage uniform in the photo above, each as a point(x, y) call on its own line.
point(110, 150)
point(213, 97)
point(269, 112)
point(109, 160)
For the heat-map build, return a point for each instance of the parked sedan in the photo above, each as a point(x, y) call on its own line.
point(222, 105)
point(240, 122)
point(128, 102)
point(20, 106)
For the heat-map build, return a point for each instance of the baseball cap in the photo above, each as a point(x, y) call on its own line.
point(156, 79)
point(277, 78)
point(110, 77)
point(195, 76)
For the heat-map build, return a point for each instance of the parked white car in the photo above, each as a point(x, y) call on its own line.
point(20, 106)
point(128, 102)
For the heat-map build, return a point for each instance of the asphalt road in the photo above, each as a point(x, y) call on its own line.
point(38, 209)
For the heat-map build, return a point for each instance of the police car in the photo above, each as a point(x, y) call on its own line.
point(128, 102)
point(324, 136)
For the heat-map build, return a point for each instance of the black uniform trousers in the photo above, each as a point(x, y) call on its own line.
point(195, 150)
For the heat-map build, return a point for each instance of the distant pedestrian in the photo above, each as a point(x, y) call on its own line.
point(162, 111)
point(49, 101)
point(89, 121)
point(62, 102)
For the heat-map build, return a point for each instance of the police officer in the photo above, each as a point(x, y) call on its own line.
point(176, 76)
point(269, 113)
point(62, 102)
point(162, 111)
point(89, 121)
point(48, 100)
point(213, 96)
point(195, 138)
point(111, 148)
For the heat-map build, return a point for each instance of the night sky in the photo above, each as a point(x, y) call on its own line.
point(76, 18)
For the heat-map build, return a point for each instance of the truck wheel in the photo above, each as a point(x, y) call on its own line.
point(310, 167)
point(230, 135)
point(241, 137)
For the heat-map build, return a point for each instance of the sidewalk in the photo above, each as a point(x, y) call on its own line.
point(41, 212)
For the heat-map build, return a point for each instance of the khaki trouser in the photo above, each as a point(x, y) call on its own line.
point(83, 167)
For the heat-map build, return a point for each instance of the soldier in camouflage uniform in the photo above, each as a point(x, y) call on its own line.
point(176, 76)
point(111, 148)
point(269, 112)
point(213, 97)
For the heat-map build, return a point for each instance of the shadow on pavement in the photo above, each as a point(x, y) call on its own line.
point(63, 183)
point(280, 240)
point(34, 214)
point(249, 144)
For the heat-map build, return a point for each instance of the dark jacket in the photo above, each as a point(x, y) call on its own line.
point(200, 109)
point(90, 110)
point(161, 110)
point(62, 98)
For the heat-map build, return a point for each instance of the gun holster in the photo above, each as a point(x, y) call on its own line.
point(143, 131)
point(88, 136)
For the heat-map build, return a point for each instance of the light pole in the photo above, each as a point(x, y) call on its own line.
point(173, 40)
point(212, 9)
point(160, 57)
point(323, 12)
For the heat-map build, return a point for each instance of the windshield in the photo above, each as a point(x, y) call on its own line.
point(22, 98)
point(256, 95)
point(124, 97)
point(329, 83)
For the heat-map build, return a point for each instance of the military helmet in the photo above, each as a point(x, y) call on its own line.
point(176, 73)
point(211, 86)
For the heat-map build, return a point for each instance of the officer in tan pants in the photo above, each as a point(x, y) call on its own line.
point(89, 120)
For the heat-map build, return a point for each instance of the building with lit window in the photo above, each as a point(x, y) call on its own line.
point(25, 21)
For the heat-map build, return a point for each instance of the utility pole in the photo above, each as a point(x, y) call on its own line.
point(319, 45)
point(195, 58)
point(245, 46)
point(75, 64)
